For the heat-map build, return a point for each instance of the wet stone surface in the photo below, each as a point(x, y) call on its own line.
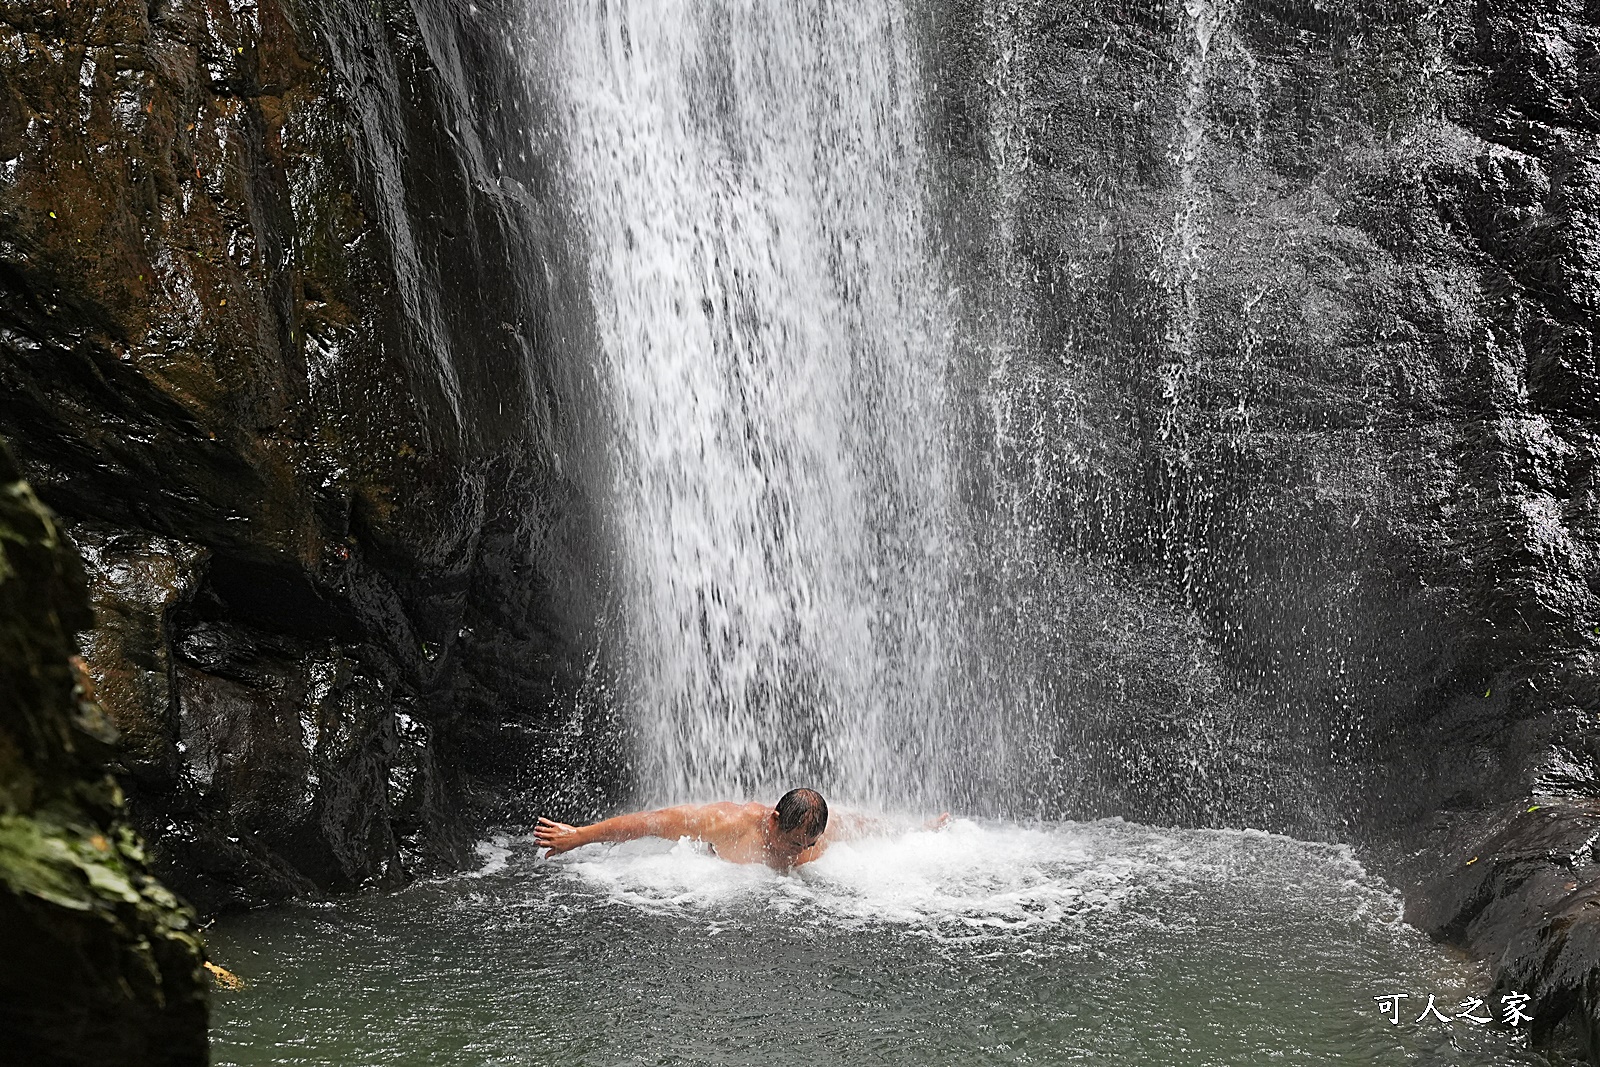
point(272, 344)
point(1298, 307)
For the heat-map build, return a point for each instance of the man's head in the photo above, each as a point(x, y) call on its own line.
point(797, 822)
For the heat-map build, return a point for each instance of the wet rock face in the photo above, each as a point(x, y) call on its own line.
point(1319, 282)
point(279, 340)
point(1308, 297)
point(101, 962)
point(1522, 889)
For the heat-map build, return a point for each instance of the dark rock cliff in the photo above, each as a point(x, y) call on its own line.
point(282, 331)
point(101, 963)
point(1311, 295)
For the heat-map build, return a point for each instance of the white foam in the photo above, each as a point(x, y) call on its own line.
point(1001, 877)
point(972, 878)
point(496, 854)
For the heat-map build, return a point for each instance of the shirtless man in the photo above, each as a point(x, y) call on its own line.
point(782, 837)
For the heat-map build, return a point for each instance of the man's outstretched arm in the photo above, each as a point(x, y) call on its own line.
point(685, 820)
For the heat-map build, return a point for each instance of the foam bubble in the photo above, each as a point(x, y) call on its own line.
point(496, 853)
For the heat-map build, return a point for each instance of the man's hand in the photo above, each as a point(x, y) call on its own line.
point(558, 837)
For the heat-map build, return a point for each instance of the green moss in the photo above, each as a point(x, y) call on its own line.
point(72, 866)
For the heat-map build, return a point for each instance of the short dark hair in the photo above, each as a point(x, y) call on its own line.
point(803, 806)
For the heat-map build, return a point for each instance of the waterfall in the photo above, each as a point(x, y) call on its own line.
point(775, 357)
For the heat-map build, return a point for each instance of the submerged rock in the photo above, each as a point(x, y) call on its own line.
point(102, 964)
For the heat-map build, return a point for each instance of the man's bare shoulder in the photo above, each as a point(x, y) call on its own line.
point(734, 830)
point(730, 813)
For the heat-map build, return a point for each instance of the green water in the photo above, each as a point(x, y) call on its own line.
point(1104, 943)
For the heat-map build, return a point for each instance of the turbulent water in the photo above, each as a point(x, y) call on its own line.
point(774, 337)
point(1107, 942)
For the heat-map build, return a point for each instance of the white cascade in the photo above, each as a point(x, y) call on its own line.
point(774, 323)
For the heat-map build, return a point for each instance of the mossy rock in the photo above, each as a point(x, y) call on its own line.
point(102, 963)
